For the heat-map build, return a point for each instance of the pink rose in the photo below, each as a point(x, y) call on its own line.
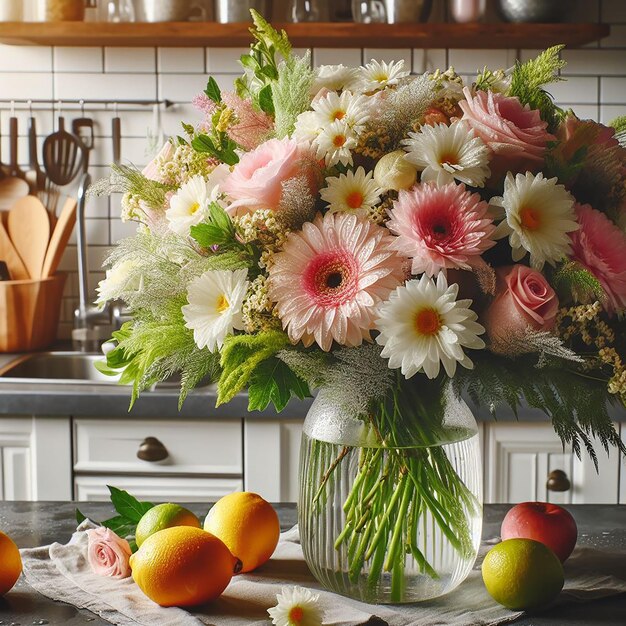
point(151, 170)
point(256, 182)
point(516, 134)
point(107, 553)
point(524, 300)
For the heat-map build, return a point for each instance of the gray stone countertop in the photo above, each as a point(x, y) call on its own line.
point(32, 524)
point(112, 400)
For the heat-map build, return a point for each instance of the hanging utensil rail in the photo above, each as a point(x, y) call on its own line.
point(82, 102)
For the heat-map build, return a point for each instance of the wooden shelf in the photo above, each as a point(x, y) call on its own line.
point(302, 35)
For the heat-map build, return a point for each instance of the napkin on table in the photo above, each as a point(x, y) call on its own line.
point(61, 572)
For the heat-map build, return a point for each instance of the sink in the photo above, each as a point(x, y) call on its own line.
point(56, 367)
point(70, 367)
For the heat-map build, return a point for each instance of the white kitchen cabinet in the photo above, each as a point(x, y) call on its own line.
point(35, 461)
point(271, 458)
point(519, 456)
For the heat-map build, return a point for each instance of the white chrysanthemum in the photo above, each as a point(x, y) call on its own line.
point(351, 109)
point(118, 280)
point(335, 142)
point(422, 325)
point(333, 77)
point(539, 216)
point(307, 127)
point(446, 153)
point(352, 192)
point(378, 75)
point(189, 205)
point(214, 310)
point(297, 606)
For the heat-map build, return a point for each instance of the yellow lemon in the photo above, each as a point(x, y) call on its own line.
point(10, 563)
point(247, 524)
point(522, 574)
point(183, 566)
point(163, 516)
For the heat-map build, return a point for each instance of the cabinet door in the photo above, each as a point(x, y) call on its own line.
point(35, 458)
point(271, 458)
point(519, 457)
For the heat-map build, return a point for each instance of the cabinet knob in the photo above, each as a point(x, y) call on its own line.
point(558, 481)
point(152, 450)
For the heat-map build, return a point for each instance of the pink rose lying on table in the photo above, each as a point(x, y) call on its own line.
point(107, 553)
point(524, 300)
point(515, 134)
point(256, 182)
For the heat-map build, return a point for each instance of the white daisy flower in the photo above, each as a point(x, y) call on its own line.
point(189, 205)
point(333, 77)
point(351, 109)
point(118, 280)
point(335, 142)
point(297, 606)
point(307, 127)
point(352, 192)
point(214, 310)
point(446, 153)
point(378, 75)
point(539, 216)
point(422, 326)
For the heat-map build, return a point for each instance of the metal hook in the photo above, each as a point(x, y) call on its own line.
point(12, 108)
point(82, 108)
point(30, 108)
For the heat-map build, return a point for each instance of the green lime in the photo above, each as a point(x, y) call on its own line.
point(162, 516)
point(522, 574)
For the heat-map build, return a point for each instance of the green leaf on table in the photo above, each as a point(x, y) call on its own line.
point(274, 381)
point(127, 505)
point(121, 526)
point(80, 518)
point(213, 91)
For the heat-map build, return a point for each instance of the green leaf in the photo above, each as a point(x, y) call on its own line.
point(220, 218)
point(127, 505)
point(228, 156)
point(80, 517)
point(248, 62)
point(273, 381)
point(213, 91)
point(188, 128)
point(209, 235)
point(269, 71)
point(266, 101)
point(203, 143)
point(121, 526)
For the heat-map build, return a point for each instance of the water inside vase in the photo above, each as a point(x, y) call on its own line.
point(436, 540)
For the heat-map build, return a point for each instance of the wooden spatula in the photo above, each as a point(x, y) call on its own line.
point(60, 236)
point(9, 255)
point(29, 229)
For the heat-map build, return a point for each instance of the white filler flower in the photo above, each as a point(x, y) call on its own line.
point(335, 142)
point(423, 325)
point(297, 606)
point(353, 110)
point(333, 77)
point(189, 205)
point(353, 191)
point(120, 279)
point(214, 310)
point(539, 216)
point(445, 153)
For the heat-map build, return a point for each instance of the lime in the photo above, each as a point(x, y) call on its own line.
point(162, 516)
point(522, 574)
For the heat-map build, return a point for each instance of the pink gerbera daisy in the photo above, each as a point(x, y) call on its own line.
point(600, 246)
point(441, 227)
point(329, 278)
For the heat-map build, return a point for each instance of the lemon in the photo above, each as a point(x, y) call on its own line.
point(522, 574)
point(182, 566)
point(247, 524)
point(163, 516)
point(10, 563)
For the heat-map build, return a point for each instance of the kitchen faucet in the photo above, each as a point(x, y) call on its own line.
point(92, 325)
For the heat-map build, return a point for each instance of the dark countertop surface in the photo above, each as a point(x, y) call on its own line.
point(32, 524)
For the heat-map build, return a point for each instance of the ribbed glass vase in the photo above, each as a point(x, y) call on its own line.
point(390, 506)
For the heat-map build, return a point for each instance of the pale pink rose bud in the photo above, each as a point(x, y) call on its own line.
point(107, 553)
point(524, 300)
point(151, 170)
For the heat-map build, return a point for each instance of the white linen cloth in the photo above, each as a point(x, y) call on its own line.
point(61, 572)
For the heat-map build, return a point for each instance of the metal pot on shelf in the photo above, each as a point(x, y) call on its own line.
point(171, 10)
point(390, 11)
point(227, 11)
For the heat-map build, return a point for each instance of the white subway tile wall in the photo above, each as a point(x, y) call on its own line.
point(596, 88)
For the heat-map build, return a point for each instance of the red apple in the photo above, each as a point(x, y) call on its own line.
point(548, 523)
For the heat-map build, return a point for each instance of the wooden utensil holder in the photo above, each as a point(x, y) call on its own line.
point(29, 313)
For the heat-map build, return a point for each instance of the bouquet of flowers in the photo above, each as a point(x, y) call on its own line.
point(392, 239)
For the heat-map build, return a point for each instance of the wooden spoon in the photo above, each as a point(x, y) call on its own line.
point(9, 255)
point(13, 186)
point(60, 236)
point(29, 229)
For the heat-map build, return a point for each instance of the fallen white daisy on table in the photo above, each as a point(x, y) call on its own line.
point(297, 606)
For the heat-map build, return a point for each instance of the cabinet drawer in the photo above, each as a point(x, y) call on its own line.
point(156, 489)
point(110, 446)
